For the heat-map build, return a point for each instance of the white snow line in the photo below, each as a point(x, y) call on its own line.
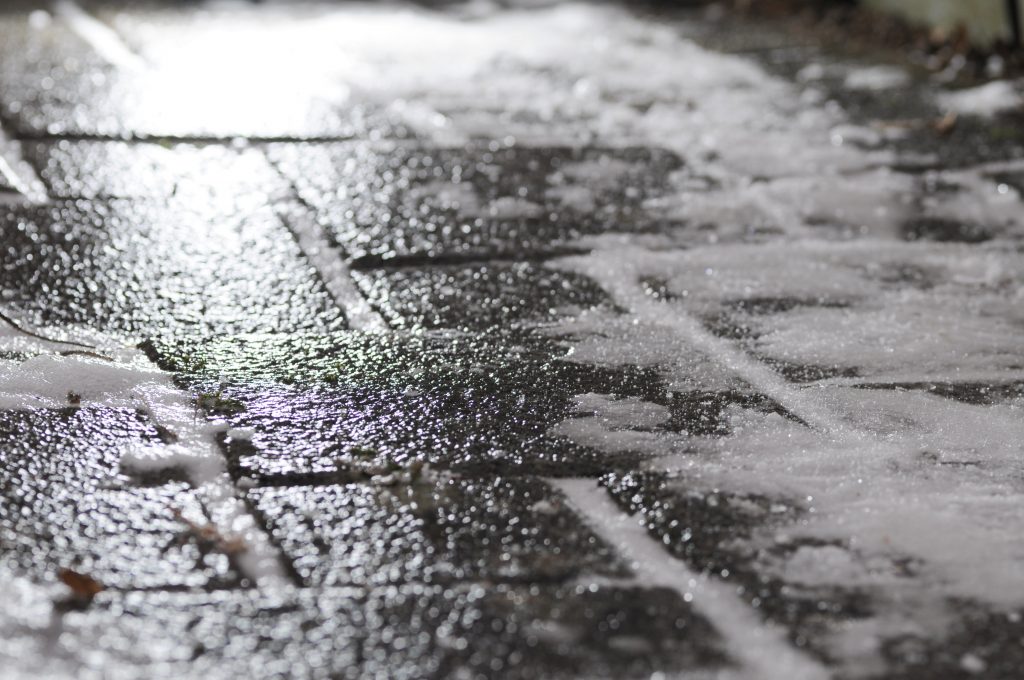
point(102, 38)
point(330, 265)
point(7, 172)
point(18, 173)
point(761, 648)
point(761, 377)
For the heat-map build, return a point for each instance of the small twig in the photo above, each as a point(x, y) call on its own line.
point(208, 537)
point(84, 353)
point(16, 326)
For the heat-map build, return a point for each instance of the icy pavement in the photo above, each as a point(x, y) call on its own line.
point(502, 340)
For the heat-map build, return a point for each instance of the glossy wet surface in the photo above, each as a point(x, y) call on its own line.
point(502, 340)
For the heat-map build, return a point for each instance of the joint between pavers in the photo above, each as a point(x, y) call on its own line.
point(17, 173)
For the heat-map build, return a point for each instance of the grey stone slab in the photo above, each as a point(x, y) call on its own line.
point(82, 100)
point(70, 99)
point(35, 42)
point(148, 268)
point(476, 297)
point(70, 91)
point(416, 631)
point(54, 82)
point(537, 631)
point(432, 531)
point(386, 202)
point(64, 505)
point(202, 175)
point(975, 393)
point(220, 634)
point(7, 186)
point(711, 530)
point(322, 406)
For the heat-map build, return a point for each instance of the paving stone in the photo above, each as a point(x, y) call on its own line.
point(705, 413)
point(55, 83)
point(329, 405)
point(476, 297)
point(711, 530)
point(434, 531)
point(220, 634)
point(144, 268)
point(978, 393)
point(537, 631)
point(392, 202)
point(208, 175)
point(69, 90)
point(34, 42)
point(415, 631)
point(63, 505)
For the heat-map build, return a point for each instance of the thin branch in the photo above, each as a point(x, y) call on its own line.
point(16, 326)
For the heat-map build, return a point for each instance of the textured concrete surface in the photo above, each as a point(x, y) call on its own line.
point(502, 340)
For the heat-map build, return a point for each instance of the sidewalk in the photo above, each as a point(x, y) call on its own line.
point(515, 340)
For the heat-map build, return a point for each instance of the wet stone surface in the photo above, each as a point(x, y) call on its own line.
point(57, 83)
point(65, 505)
point(400, 202)
point(147, 268)
point(966, 392)
point(340, 406)
point(198, 175)
point(432, 531)
point(477, 297)
point(712, 530)
point(415, 631)
point(523, 632)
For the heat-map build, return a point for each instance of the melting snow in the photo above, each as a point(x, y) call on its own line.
point(984, 101)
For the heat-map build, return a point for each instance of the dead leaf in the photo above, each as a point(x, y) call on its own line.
point(208, 537)
point(83, 586)
point(945, 125)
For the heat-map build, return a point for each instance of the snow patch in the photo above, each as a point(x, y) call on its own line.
point(47, 380)
point(985, 101)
